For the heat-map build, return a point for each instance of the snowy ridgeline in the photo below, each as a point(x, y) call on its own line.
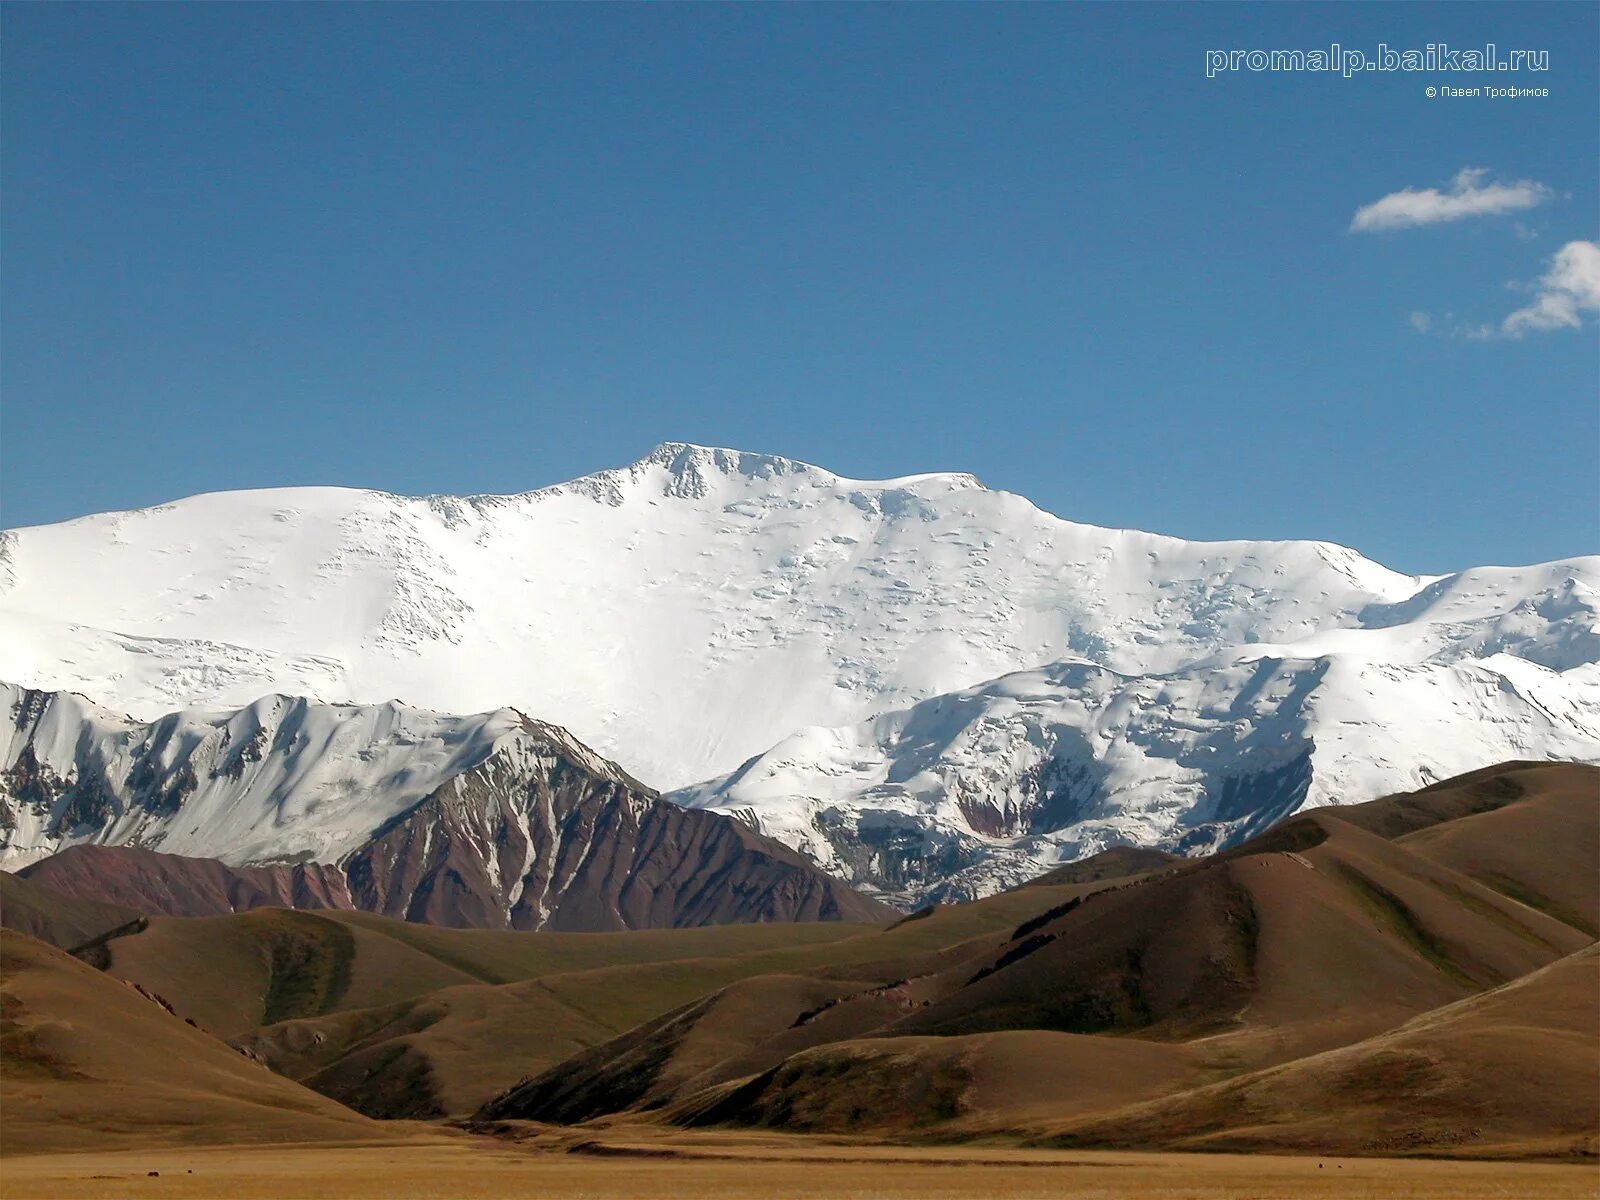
point(932, 688)
point(490, 821)
point(281, 780)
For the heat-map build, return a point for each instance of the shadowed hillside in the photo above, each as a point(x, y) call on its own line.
point(1510, 1071)
point(91, 1062)
point(398, 1018)
point(1318, 936)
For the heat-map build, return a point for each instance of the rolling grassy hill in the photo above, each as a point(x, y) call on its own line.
point(89, 1062)
point(403, 1019)
point(1321, 936)
point(1511, 1071)
point(1398, 956)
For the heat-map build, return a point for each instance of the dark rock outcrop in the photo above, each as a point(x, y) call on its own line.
point(536, 838)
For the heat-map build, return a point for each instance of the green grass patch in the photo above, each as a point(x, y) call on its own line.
point(1523, 894)
point(1391, 911)
point(1500, 917)
point(308, 965)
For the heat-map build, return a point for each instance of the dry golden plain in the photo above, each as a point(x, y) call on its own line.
point(760, 1168)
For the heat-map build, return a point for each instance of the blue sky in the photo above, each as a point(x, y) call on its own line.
point(481, 249)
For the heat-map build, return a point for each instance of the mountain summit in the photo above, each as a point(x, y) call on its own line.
point(690, 472)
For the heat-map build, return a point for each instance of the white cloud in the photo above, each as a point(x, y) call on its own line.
point(1469, 195)
point(1421, 321)
point(1570, 288)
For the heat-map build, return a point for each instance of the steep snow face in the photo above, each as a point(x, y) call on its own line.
point(971, 792)
point(282, 779)
point(490, 821)
point(680, 614)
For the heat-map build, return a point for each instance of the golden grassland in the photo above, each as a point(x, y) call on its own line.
point(437, 1168)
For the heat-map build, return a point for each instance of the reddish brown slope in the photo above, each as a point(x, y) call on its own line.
point(620, 860)
point(66, 922)
point(170, 885)
point(619, 857)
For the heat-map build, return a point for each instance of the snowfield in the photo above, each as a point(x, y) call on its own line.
point(930, 687)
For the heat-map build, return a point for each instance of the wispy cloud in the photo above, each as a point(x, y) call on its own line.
point(1570, 288)
point(1469, 194)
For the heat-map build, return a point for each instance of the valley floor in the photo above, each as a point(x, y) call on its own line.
point(757, 1167)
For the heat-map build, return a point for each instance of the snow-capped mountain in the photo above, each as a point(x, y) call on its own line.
point(972, 791)
point(487, 821)
point(915, 673)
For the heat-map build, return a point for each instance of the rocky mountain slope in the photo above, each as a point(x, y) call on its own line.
point(929, 687)
point(490, 821)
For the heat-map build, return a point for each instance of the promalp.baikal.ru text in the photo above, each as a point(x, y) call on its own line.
point(1435, 56)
